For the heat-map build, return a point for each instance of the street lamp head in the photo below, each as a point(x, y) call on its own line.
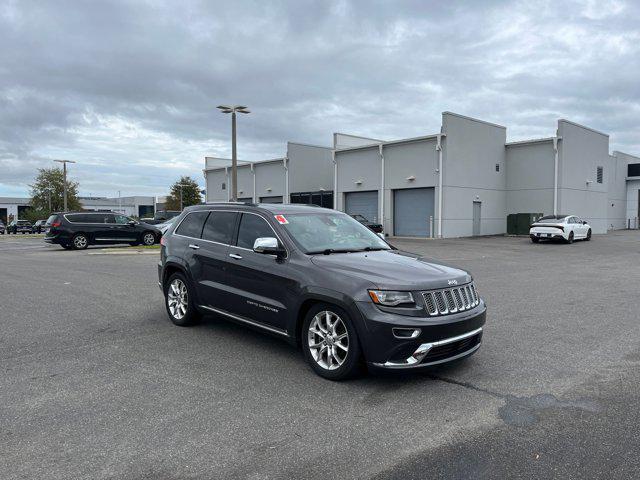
point(234, 108)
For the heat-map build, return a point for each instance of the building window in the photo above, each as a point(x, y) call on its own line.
point(599, 174)
point(224, 186)
point(497, 167)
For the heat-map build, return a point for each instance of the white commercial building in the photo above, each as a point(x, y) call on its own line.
point(462, 180)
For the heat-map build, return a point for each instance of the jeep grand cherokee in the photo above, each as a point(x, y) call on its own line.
point(320, 279)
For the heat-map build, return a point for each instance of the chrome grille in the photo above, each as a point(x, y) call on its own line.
point(451, 300)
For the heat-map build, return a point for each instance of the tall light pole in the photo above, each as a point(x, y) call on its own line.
point(182, 185)
point(232, 109)
point(64, 169)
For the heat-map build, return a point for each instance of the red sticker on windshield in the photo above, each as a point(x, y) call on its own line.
point(281, 220)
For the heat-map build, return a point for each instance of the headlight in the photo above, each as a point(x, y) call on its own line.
point(390, 298)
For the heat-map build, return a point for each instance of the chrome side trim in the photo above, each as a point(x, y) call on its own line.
point(414, 360)
point(246, 320)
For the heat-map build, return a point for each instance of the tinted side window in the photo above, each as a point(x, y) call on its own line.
point(192, 224)
point(78, 218)
point(96, 218)
point(219, 227)
point(121, 219)
point(252, 227)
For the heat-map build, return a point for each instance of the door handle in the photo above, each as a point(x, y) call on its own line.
point(195, 247)
point(236, 256)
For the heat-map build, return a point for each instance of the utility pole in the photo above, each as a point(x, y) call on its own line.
point(182, 185)
point(64, 169)
point(232, 109)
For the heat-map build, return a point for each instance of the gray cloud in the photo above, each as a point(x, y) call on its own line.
point(129, 89)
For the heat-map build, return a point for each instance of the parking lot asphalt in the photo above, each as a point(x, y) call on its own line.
point(97, 383)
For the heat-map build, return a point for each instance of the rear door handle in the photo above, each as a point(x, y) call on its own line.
point(236, 256)
point(195, 247)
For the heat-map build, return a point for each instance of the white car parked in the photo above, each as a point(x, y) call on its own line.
point(164, 226)
point(560, 227)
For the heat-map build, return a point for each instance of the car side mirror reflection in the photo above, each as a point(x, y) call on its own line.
point(267, 246)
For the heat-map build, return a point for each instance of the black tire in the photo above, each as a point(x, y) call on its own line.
point(191, 315)
point(148, 238)
point(351, 362)
point(535, 239)
point(570, 239)
point(80, 242)
point(588, 235)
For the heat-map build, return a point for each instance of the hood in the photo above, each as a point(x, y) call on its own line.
point(393, 269)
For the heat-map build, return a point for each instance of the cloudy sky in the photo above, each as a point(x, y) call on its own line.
point(128, 89)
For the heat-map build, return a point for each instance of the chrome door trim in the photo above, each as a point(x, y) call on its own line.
point(246, 320)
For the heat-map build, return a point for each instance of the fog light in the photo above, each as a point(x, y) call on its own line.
point(405, 333)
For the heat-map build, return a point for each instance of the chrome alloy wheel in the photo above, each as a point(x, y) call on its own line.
point(177, 299)
point(328, 340)
point(80, 242)
point(149, 239)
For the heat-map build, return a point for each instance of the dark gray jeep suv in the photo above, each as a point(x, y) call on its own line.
point(322, 280)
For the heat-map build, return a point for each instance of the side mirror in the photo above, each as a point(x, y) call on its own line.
point(131, 223)
point(584, 222)
point(267, 246)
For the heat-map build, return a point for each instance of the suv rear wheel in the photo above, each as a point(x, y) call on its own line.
point(330, 343)
point(80, 241)
point(179, 301)
point(148, 238)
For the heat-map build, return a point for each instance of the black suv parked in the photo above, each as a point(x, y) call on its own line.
point(320, 279)
point(39, 226)
point(77, 230)
point(19, 226)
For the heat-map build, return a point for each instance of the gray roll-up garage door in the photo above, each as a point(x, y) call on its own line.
point(274, 199)
point(362, 203)
point(412, 208)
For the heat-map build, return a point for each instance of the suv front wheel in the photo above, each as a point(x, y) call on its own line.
point(330, 343)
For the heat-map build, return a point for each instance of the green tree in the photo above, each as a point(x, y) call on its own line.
point(47, 193)
point(190, 194)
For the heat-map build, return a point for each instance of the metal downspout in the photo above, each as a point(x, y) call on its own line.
point(253, 171)
point(335, 179)
point(439, 150)
point(555, 176)
point(285, 164)
point(381, 221)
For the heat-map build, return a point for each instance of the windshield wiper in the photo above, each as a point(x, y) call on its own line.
point(374, 249)
point(329, 251)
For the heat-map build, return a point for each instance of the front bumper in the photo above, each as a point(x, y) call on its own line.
point(398, 341)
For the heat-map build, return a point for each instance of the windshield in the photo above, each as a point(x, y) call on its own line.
point(330, 232)
point(551, 220)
